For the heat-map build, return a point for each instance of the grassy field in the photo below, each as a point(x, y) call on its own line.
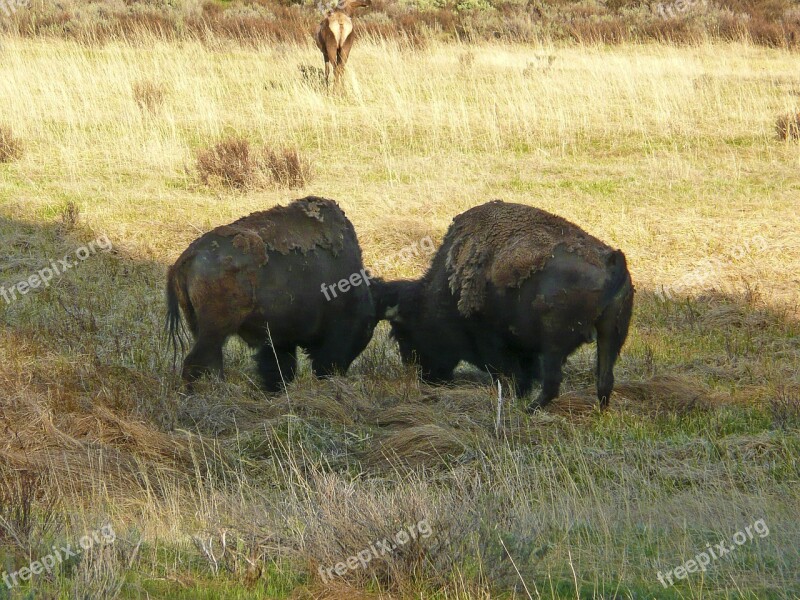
point(668, 153)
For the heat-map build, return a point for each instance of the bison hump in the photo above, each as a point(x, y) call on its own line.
point(504, 244)
point(304, 225)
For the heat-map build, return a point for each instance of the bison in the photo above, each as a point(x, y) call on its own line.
point(260, 278)
point(515, 290)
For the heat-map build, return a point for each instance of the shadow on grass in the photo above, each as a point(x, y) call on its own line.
point(91, 399)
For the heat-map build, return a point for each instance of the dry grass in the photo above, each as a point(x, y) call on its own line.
point(233, 163)
point(149, 95)
point(70, 216)
point(229, 162)
point(788, 126)
point(10, 146)
point(286, 167)
point(701, 437)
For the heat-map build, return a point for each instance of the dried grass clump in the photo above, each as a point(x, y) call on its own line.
point(784, 407)
point(149, 95)
point(235, 164)
point(27, 507)
point(10, 146)
point(656, 396)
point(229, 162)
point(788, 126)
point(102, 569)
point(287, 168)
point(70, 215)
point(420, 445)
point(312, 76)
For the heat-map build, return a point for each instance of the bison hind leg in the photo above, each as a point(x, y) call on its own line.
point(277, 366)
point(204, 358)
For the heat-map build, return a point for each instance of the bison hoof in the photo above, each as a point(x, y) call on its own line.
point(539, 403)
point(534, 406)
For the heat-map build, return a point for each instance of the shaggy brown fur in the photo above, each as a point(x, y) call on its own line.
point(513, 290)
point(334, 36)
point(504, 244)
point(303, 225)
point(259, 278)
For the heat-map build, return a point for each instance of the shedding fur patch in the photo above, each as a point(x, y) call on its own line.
point(305, 225)
point(505, 243)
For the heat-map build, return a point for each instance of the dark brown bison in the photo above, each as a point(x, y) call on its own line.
point(261, 278)
point(515, 290)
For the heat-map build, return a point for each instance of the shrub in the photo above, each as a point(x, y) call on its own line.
point(228, 162)
point(254, 22)
point(70, 215)
point(148, 95)
point(10, 147)
point(287, 168)
point(233, 163)
point(788, 126)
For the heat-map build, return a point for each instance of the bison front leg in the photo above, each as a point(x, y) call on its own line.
point(332, 356)
point(551, 364)
point(612, 329)
point(526, 371)
point(277, 366)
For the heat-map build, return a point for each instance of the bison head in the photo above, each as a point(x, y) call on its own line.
point(418, 334)
point(399, 303)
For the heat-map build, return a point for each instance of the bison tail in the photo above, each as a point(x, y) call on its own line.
point(173, 325)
